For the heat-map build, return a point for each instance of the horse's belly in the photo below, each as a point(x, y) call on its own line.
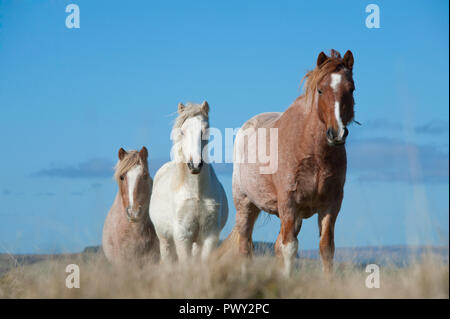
point(265, 200)
point(256, 187)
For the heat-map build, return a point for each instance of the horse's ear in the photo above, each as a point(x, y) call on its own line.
point(143, 153)
point(348, 59)
point(122, 153)
point(321, 59)
point(205, 107)
point(180, 107)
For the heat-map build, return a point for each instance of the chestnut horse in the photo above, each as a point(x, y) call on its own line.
point(311, 160)
point(129, 236)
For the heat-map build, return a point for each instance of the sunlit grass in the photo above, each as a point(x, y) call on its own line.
point(258, 278)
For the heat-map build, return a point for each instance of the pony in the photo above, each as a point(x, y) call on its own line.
point(128, 234)
point(188, 206)
point(311, 159)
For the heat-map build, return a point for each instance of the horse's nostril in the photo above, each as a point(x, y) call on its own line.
point(194, 166)
point(132, 214)
point(345, 132)
point(331, 134)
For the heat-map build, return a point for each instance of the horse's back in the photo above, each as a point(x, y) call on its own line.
point(247, 178)
point(249, 129)
point(162, 172)
point(263, 120)
point(164, 184)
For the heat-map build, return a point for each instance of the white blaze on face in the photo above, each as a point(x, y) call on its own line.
point(132, 177)
point(192, 143)
point(337, 114)
point(335, 81)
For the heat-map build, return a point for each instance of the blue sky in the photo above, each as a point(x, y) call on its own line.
point(70, 98)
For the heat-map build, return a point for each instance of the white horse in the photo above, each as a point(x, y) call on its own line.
point(188, 206)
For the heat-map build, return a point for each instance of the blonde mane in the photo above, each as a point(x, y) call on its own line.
point(190, 110)
point(130, 160)
point(313, 77)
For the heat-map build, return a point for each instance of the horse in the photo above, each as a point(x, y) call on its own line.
point(188, 206)
point(129, 236)
point(311, 159)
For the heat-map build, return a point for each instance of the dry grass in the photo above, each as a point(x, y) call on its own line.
point(260, 278)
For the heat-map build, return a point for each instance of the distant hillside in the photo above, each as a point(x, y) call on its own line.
point(8, 261)
point(400, 256)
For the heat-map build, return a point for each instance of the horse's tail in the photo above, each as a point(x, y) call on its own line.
point(230, 246)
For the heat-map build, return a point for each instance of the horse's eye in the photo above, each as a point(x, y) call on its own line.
point(145, 176)
point(320, 91)
point(121, 178)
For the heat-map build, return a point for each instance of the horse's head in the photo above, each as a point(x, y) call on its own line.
point(134, 182)
point(332, 87)
point(190, 135)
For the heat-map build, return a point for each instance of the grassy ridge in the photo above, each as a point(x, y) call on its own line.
point(258, 278)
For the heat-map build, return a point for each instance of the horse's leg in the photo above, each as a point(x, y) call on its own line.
point(209, 243)
point(326, 231)
point(173, 250)
point(183, 238)
point(246, 214)
point(184, 249)
point(298, 226)
point(286, 245)
point(196, 249)
point(165, 249)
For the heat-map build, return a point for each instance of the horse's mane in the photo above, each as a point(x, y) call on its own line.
point(190, 110)
point(313, 77)
point(128, 162)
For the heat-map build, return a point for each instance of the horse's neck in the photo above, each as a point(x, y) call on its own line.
point(303, 124)
point(195, 182)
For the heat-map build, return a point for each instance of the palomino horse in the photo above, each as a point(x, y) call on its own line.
point(128, 234)
point(188, 206)
point(311, 163)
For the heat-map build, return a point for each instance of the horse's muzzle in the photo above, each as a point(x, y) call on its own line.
point(133, 215)
point(195, 168)
point(333, 138)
